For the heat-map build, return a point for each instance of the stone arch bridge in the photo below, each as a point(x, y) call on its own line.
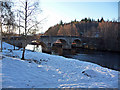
point(49, 42)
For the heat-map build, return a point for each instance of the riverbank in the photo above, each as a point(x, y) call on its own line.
point(41, 70)
point(102, 58)
point(105, 59)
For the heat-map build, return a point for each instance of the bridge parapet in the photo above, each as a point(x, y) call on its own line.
point(47, 42)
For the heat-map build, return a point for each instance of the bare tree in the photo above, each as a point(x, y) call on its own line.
point(6, 16)
point(28, 11)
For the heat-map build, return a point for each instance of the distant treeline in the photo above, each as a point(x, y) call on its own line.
point(108, 30)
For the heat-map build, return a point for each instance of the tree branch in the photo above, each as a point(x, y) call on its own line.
point(22, 2)
point(21, 12)
point(30, 12)
point(35, 24)
point(22, 17)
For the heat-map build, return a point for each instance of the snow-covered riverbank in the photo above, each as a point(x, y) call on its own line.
point(42, 70)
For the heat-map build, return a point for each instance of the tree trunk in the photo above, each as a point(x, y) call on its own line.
point(23, 54)
point(23, 57)
point(1, 38)
point(14, 47)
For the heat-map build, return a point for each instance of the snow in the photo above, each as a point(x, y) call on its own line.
point(0, 70)
point(41, 70)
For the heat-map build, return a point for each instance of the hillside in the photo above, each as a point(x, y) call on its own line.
point(83, 28)
point(104, 29)
point(52, 31)
point(72, 29)
point(68, 30)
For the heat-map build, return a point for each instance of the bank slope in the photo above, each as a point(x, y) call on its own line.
point(41, 70)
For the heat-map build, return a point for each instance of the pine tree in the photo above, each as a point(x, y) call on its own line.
point(61, 22)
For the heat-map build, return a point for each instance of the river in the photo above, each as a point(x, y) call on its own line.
point(109, 60)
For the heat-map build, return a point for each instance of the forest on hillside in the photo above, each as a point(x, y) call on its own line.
point(108, 30)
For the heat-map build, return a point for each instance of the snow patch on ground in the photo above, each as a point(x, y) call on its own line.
point(41, 70)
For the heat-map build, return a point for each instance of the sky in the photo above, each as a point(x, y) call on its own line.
point(68, 10)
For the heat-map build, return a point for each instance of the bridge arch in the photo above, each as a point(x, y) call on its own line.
point(36, 42)
point(43, 45)
point(76, 43)
point(58, 46)
point(60, 43)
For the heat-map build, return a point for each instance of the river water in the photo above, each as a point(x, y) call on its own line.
point(106, 59)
